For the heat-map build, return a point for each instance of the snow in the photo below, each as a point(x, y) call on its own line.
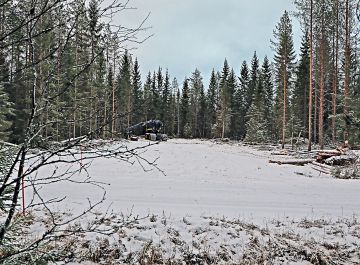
point(208, 201)
point(203, 178)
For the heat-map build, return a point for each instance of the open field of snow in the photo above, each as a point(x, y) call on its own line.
point(202, 178)
point(210, 203)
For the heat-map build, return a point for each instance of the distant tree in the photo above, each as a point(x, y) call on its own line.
point(185, 127)
point(212, 103)
point(176, 90)
point(166, 103)
point(300, 99)
point(224, 110)
point(138, 98)
point(203, 127)
point(232, 86)
point(267, 81)
point(125, 90)
point(254, 72)
point(148, 97)
point(196, 85)
point(257, 125)
point(242, 95)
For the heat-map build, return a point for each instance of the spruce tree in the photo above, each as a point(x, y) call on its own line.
point(224, 110)
point(155, 99)
point(147, 97)
point(137, 93)
point(204, 130)
point(300, 99)
point(165, 104)
point(196, 85)
point(269, 95)
point(232, 88)
point(185, 122)
point(177, 95)
point(242, 96)
point(125, 91)
point(254, 72)
point(257, 125)
point(284, 63)
point(212, 102)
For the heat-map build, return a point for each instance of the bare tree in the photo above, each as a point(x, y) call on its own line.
point(64, 154)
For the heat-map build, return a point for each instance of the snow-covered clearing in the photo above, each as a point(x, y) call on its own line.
point(202, 178)
point(216, 204)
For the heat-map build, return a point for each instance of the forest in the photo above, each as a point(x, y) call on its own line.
point(72, 190)
point(67, 72)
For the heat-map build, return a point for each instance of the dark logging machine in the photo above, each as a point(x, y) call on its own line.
point(151, 130)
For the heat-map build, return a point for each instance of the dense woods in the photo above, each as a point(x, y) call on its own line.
point(89, 83)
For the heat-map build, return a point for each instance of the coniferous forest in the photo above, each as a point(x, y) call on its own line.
point(67, 71)
point(71, 190)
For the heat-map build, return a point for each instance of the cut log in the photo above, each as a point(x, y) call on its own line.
point(325, 154)
point(297, 162)
point(340, 160)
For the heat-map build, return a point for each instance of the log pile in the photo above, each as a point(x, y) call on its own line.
point(320, 160)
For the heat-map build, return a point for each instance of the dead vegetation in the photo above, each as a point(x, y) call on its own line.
point(211, 240)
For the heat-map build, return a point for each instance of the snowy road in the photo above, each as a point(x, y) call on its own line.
point(204, 178)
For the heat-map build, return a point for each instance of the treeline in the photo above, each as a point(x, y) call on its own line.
point(92, 85)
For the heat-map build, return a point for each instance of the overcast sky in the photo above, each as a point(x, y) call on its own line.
point(191, 34)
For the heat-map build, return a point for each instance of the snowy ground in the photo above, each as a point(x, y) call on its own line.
point(202, 178)
point(225, 200)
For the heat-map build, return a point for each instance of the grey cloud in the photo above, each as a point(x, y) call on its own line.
point(201, 33)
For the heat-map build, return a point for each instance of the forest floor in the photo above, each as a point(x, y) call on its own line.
point(211, 203)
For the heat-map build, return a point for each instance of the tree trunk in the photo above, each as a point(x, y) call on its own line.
point(322, 88)
point(347, 69)
point(284, 103)
point(335, 72)
point(113, 100)
point(310, 79)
